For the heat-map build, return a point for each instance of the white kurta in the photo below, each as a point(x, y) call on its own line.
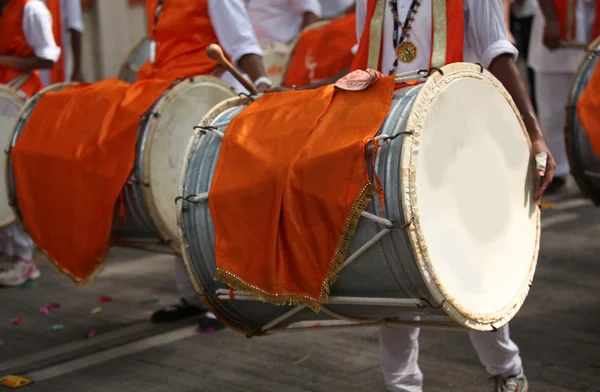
point(279, 21)
point(554, 72)
point(37, 26)
point(333, 8)
point(71, 19)
point(485, 33)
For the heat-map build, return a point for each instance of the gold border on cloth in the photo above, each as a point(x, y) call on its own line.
point(440, 33)
point(375, 35)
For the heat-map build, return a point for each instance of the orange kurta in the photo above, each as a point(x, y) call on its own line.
point(588, 109)
point(313, 61)
point(454, 35)
point(70, 163)
point(14, 43)
point(290, 184)
point(183, 32)
point(57, 74)
point(566, 11)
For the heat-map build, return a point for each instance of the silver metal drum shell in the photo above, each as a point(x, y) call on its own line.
point(386, 270)
point(579, 150)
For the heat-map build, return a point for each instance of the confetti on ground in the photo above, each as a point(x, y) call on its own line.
point(15, 381)
point(91, 334)
point(96, 310)
point(547, 206)
point(53, 305)
point(29, 285)
point(1, 342)
point(104, 299)
point(44, 310)
point(17, 321)
point(57, 327)
point(303, 359)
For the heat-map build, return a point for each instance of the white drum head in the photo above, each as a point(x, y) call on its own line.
point(476, 226)
point(10, 106)
point(274, 60)
point(179, 111)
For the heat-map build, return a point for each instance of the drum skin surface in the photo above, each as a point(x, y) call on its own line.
point(458, 183)
point(11, 104)
point(134, 61)
point(274, 60)
point(585, 165)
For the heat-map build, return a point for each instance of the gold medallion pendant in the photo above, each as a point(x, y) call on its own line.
point(406, 52)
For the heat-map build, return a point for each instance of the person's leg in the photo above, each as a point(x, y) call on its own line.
point(552, 91)
point(501, 358)
point(399, 355)
point(16, 261)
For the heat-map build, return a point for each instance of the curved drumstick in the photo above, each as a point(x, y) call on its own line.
point(573, 45)
point(216, 53)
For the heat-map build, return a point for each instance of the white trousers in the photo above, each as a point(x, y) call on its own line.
point(399, 354)
point(552, 91)
point(182, 280)
point(14, 242)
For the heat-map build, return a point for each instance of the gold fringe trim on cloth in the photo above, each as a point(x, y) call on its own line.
point(293, 299)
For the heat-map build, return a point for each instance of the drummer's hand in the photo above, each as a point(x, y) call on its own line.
point(552, 36)
point(77, 76)
point(262, 88)
point(539, 147)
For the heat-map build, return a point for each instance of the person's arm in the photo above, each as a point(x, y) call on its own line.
point(37, 26)
point(487, 36)
point(239, 44)
point(309, 9)
point(74, 20)
point(507, 5)
point(551, 26)
point(350, 10)
point(308, 18)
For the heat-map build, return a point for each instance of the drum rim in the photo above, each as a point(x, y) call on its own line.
point(292, 47)
point(126, 62)
point(149, 132)
point(11, 93)
point(410, 205)
point(581, 181)
point(208, 301)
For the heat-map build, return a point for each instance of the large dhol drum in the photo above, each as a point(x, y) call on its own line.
point(10, 106)
point(462, 229)
point(163, 135)
point(134, 61)
point(294, 44)
point(585, 165)
point(274, 60)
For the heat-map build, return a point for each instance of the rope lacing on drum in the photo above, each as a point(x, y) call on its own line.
point(250, 97)
point(195, 199)
point(204, 129)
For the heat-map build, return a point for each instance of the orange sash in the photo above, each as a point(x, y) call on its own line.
point(566, 10)
point(289, 187)
point(14, 43)
point(588, 110)
point(183, 32)
point(447, 34)
point(57, 74)
point(322, 53)
point(71, 162)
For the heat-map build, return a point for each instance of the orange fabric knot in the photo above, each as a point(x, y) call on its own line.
point(358, 80)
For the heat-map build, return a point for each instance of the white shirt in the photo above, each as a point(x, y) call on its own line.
point(527, 9)
point(541, 59)
point(236, 42)
point(37, 26)
point(71, 19)
point(334, 8)
point(485, 33)
point(279, 21)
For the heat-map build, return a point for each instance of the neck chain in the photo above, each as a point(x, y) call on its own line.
point(405, 50)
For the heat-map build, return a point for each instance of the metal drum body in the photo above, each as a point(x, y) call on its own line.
point(274, 60)
point(163, 135)
point(467, 249)
point(136, 58)
point(10, 106)
point(585, 165)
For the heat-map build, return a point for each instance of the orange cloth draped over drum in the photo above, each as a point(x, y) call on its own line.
point(289, 187)
point(14, 43)
point(566, 10)
point(71, 162)
point(183, 32)
point(588, 109)
point(57, 73)
point(314, 61)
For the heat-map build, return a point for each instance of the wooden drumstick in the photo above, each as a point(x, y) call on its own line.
point(216, 53)
point(573, 45)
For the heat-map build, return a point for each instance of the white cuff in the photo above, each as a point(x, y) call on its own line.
point(263, 80)
point(496, 49)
